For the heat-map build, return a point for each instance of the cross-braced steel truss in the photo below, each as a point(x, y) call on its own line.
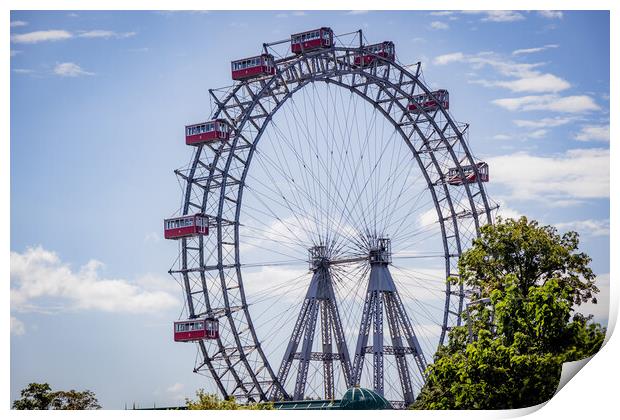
point(382, 298)
point(320, 299)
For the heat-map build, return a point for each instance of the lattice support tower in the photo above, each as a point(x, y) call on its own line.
point(320, 299)
point(383, 302)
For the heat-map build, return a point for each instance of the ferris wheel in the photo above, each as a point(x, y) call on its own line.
point(327, 201)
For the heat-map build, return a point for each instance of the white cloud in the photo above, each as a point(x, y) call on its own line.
point(38, 276)
point(441, 60)
point(537, 134)
point(100, 33)
point(175, 388)
point(70, 70)
point(17, 23)
point(586, 227)
point(507, 212)
point(437, 25)
point(525, 76)
point(502, 137)
point(357, 12)
point(538, 83)
point(576, 174)
point(23, 71)
point(275, 280)
point(40, 36)
point(503, 16)
point(542, 123)
point(551, 14)
point(567, 104)
point(17, 327)
point(593, 133)
point(496, 15)
point(428, 217)
point(534, 50)
point(442, 13)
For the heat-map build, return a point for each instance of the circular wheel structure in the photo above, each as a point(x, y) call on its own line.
point(333, 229)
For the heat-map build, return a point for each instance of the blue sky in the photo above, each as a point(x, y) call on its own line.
point(98, 102)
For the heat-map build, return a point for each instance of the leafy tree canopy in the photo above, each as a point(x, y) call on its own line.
point(41, 397)
point(206, 401)
point(527, 280)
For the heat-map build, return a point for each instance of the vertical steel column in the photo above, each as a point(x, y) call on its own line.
point(328, 362)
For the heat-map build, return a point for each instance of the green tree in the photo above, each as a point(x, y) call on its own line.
point(41, 397)
point(206, 401)
point(34, 397)
point(532, 279)
point(75, 400)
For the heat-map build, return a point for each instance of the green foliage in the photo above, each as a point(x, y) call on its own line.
point(75, 400)
point(41, 397)
point(533, 278)
point(206, 401)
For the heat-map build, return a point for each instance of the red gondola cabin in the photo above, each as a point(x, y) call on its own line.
point(370, 53)
point(207, 132)
point(312, 40)
point(261, 65)
point(454, 178)
point(424, 102)
point(196, 329)
point(186, 226)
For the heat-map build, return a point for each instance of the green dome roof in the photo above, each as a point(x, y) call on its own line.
point(363, 399)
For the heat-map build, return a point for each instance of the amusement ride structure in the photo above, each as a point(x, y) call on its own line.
point(327, 201)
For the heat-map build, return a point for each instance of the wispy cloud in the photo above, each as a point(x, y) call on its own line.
point(542, 123)
point(575, 175)
point(23, 71)
point(17, 326)
point(551, 14)
point(101, 33)
point(536, 134)
point(565, 104)
point(593, 133)
point(496, 15)
point(586, 227)
point(41, 36)
point(18, 23)
point(534, 50)
point(444, 59)
point(70, 70)
point(38, 276)
point(357, 12)
point(437, 25)
point(526, 76)
point(538, 83)
point(59, 35)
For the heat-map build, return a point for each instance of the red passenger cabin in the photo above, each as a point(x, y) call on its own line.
point(312, 40)
point(469, 175)
point(261, 65)
point(206, 132)
point(196, 329)
point(425, 102)
point(370, 52)
point(186, 226)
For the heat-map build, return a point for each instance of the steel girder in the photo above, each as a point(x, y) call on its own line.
point(319, 297)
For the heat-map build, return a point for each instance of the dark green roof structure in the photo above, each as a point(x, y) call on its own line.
point(363, 399)
point(354, 399)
